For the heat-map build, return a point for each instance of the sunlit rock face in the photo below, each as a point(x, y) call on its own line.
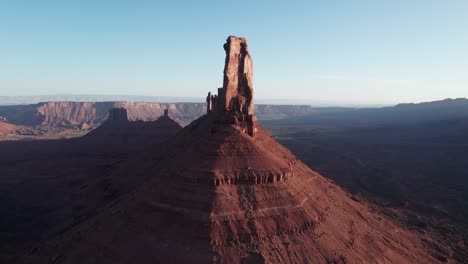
point(234, 101)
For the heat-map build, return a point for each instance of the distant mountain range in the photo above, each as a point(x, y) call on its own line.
point(400, 114)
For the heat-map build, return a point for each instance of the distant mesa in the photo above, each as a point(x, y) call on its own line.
point(118, 129)
point(69, 116)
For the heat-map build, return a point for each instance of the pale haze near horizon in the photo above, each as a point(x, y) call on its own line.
point(338, 52)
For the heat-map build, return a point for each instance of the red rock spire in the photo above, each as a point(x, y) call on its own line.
point(118, 115)
point(234, 102)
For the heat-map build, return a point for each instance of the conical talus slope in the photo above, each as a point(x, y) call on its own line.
point(266, 205)
point(222, 196)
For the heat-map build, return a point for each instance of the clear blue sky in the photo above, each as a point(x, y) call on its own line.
point(331, 51)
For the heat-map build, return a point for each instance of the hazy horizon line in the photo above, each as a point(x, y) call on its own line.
point(38, 98)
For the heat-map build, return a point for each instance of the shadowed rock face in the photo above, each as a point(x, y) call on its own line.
point(7, 129)
point(118, 130)
point(118, 115)
point(234, 102)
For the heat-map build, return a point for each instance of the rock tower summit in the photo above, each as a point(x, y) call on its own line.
point(234, 102)
point(118, 115)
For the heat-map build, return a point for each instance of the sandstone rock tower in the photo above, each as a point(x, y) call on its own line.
point(234, 102)
point(118, 115)
point(227, 192)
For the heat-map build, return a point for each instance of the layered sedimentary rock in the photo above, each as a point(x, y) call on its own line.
point(76, 115)
point(224, 196)
point(238, 77)
point(234, 101)
point(73, 115)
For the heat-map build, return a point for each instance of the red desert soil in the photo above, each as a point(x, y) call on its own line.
point(227, 192)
